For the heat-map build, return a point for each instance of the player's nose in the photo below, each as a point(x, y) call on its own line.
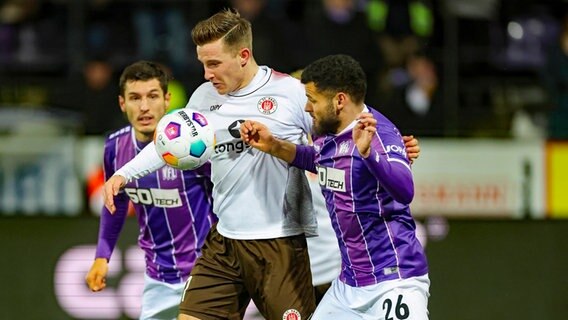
point(144, 105)
point(207, 74)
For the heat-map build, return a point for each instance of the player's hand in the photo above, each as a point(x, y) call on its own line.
point(363, 132)
point(257, 135)
point(110, 189)
point(96, 278)
point(412, 147)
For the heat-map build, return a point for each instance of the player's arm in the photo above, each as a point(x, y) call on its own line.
point(258, 136)
point(393, 173)
point(109, 231)
point(145, 162)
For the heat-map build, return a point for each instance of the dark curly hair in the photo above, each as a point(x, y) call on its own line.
point(337, 73)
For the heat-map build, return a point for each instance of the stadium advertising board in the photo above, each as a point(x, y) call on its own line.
point(480, 178)
point(38, 176)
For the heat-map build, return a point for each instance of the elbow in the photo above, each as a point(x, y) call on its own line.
point(405, 197)
point(406, 194)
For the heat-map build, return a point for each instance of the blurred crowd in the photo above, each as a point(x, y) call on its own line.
point(436, 68)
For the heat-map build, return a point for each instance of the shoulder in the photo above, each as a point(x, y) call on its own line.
point(204, 88)
point(115, 142)
point(383, 123)
point(285, 86)
point(204, 97)
point(118, 133)
point(285, 79)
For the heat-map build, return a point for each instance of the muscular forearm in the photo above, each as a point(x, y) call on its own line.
point(284, 150)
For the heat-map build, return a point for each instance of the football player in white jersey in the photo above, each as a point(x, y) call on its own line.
point(258, 248)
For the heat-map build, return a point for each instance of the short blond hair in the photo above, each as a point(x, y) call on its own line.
point(228, 25)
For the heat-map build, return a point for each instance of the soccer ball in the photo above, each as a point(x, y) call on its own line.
point(184, 139)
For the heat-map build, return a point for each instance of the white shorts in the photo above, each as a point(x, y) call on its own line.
point(160, 300)
point(405, 299)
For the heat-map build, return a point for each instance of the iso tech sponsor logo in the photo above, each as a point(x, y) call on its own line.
point(331, 178)
point(267, 105)
point(234, 146)
point(162, 198)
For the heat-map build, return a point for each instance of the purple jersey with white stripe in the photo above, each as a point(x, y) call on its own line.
point(368, 201)
point(173, 208)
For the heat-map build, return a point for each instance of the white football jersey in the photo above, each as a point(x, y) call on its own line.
point(255, 195)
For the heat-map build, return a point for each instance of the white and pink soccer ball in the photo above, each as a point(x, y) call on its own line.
point(184, 139)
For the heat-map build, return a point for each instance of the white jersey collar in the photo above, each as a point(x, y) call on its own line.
point(352, 124)
point(260, 79)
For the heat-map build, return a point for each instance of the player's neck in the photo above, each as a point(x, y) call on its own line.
point(143, 137)
point(250, 71)
point(348, 115)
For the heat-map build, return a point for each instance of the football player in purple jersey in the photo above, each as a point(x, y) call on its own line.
point(173, 207)
point(366, 180)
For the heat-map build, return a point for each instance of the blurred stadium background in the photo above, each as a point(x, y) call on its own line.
point(483, 84)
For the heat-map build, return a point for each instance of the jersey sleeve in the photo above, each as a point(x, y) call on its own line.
point(305, 158)
point(110, 225)
point(388, 164)
point(147, 161)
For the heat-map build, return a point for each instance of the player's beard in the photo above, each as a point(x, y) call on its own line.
point(327, 121)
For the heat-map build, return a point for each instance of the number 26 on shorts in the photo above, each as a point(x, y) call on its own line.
point(396, 310)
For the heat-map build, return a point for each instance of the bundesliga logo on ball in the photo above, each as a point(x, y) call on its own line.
point(184, 139)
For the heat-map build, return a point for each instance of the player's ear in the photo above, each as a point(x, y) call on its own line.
point(340, 100)
point(167, 98)
point(244, 56)
point(121, 103)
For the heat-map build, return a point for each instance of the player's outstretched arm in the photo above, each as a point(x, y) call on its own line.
point(96, 278)
point(258, 136)
point(110, 189)
point(412, 147)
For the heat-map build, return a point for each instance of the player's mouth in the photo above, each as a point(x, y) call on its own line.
point(146, 120)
